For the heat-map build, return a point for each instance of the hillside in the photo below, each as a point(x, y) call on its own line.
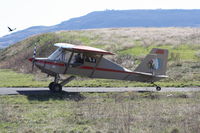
point(129, 44)
point(113, 19)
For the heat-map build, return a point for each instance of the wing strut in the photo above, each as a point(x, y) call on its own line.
point(94, 69)
point(68, 63)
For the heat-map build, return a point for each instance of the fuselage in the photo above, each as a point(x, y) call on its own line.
point(105, 69)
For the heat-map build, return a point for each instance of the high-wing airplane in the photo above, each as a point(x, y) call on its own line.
point(90, 62)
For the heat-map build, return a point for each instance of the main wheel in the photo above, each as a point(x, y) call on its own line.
point(56, 88)
point(51, 86)
point(158, 88)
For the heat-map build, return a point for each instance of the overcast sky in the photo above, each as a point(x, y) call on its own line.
point(22, 14)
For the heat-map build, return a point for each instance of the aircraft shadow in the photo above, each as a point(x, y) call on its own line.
point(45, 95)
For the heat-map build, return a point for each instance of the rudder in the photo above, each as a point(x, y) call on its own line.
point(155, 62)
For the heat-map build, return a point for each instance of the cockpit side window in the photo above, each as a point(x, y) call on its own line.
point(77, 59)
point(80, 58)
point(90, 59)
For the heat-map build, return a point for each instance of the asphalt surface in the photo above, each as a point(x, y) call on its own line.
point(14, 91)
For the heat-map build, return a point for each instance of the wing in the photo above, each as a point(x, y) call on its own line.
point(9, 29)
point(82, 49)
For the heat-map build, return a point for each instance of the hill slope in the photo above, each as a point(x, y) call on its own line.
point(129, 44)
point(113, 18)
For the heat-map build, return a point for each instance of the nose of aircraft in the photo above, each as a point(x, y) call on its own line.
point(30, 59)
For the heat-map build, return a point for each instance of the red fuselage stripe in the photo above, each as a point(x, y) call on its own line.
point(105, 69)
point(50, 63)
point(85, 67)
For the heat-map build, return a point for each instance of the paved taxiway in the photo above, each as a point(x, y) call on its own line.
point(12, 91)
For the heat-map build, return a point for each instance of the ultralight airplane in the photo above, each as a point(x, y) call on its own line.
point(90, 62)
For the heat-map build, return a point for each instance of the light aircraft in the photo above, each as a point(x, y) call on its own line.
point(90, 62)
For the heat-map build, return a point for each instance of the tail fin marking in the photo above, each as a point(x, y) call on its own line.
point(155, 62)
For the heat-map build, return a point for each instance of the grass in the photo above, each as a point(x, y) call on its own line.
point(184, 52)
point(9, 78)
point(128, 112)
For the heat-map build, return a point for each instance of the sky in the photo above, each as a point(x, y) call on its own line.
point(22, 14)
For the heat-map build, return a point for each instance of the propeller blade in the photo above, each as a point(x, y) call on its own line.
point(33, 64)
point(33, 59)
point(34, 51)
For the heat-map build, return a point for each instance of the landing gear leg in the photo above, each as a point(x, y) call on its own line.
point(56, 86)
point(67, 80)
point(158, 88)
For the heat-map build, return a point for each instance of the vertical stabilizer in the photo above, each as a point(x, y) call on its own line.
point(155, 62)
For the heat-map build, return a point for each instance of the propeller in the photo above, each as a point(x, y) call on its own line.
point(33, 59)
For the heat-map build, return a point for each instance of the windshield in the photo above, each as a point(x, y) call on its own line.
point(55, 54)
point(60, 55)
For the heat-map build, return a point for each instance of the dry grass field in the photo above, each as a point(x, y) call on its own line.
point(130, 112)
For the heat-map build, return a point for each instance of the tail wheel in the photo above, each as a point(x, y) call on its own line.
point(158, 88)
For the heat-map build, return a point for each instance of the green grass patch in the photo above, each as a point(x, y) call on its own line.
point(85, 40)
point(180, 52)
point(9, 78)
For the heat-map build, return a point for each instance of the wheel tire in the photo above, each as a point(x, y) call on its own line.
point(158, 88)
point(51, 86)
point(57, 88)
